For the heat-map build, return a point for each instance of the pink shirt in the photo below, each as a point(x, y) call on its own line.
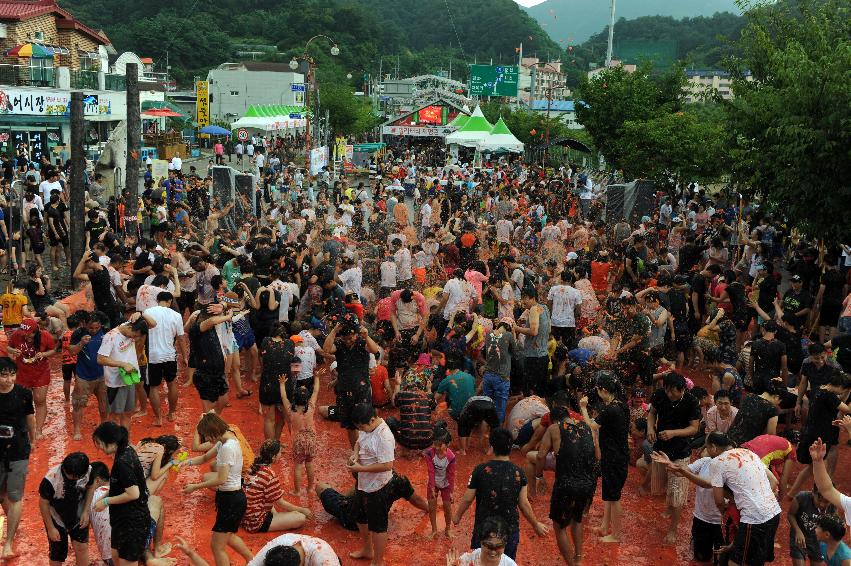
point(476, 279)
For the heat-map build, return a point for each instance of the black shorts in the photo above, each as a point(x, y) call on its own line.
point(230, 508)
point(536, 369)
point(62, 240)
point(564, 334)
point(58, 551)
point(209, 386)
point(374, 508)
point(705, 538)
point(269, 392)
point(613, 478)
point(476, 412)
point(68, 371)
point(829, 315)
point(754, 544)
point(336, 504)
point(163, 371)
point(333, 414)
point(186, 300)
point(267, 522)
point(568, 505)
point(346, 401)
point(131, 541)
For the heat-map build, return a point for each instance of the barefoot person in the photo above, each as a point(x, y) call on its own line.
point(372, 460)
point(494, 536)
point(263, 493)
point(85, 343)
point(64, 497)
point(30, 347)
point(440, 462)
point(300, 416)
point(163, 343)
point(17, 434)
point(289, 550)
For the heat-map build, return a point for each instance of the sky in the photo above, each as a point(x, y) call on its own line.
point(528, 3)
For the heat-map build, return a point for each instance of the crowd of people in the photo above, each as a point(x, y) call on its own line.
point(495, 314)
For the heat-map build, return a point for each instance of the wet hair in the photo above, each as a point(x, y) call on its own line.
point(832, 525)
point(99, 471)
point(301, 398)
point(529, 291)
point(75, 464)
point(712, 355)
point(112, 433)
point(282, 555)
point(169, 442)
point(211, 426)
point(674, 380)
point(699, 392)
point(164, 296)
point(493, 527)
point(441, 434)
point(719, 439)
point(500, 441)
point(454, 361)
point(7, 365)
point(268, 450)
point(775, 387)
point(721, 394)
point(362, 413)
point(607, 381)
point(840, 379)
point(815, 348)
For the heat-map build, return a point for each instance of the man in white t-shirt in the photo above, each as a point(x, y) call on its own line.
point(388, 272)
point(425, 216)
point(402, 258)
point(457, 294)
point(351, 278)
point(118, 352)
point(564, 302)
point(163, 344)
point(372, 460)
point(177, 163)
point(51, 183)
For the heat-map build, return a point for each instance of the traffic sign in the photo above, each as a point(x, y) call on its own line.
point(242, 134)
point(493, 80)
point(295, 116)
point(298, 88)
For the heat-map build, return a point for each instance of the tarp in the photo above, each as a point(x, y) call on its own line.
point(500, 140)
point(475, 130)
point(272, 117)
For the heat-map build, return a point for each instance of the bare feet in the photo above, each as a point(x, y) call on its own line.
point(666, 515)
point(432, 535)
point(78, 436)
point(139, 414)
point(163, 550)
point(449, 533)
point(643, 490)
point(599, 531)
point(295, 492)
point(361, 555)
point(8, 552)
point(610, 538)
point(171, 417)
point(671, 538)
point(158, 422)
point(161, 562)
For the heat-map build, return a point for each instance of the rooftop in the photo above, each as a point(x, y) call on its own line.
point(554, 106)
point(20, 10)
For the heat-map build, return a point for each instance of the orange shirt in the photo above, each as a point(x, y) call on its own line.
point(600, 275)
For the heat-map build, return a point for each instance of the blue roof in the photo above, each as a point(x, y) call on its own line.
point(554, 106)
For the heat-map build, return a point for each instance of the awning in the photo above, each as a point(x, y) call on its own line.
point(162, 113)
point(36, 51)
point(159, 104)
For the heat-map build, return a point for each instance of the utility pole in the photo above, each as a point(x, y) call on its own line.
point(611, 36)
point(134, 135)
point(78, 189)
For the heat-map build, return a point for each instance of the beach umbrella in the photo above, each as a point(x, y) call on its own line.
point(34, 50)
point(214, 130)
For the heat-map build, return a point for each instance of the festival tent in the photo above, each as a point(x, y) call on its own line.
point(459, 121)
point(476, 129)
point(500, 140)
point(271, 117)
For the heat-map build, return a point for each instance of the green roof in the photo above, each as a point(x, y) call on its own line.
point(477, 123)
point(459, 120)
point(500, 128)
point(270, 110)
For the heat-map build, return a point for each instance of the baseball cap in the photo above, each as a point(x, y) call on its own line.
point(571, 256)
point(296, 339)
point(796, 279)
point(29, 325)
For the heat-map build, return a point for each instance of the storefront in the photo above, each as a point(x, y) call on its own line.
point(434, 120)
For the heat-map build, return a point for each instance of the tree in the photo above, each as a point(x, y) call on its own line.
point(791, 113)
point(349, 114)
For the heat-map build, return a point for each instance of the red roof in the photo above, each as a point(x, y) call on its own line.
point(146, 60)
point(18, 10)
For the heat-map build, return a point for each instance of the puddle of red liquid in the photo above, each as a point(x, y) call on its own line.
point(192, 516)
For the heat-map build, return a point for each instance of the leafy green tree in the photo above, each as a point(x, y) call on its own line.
point(349, 114)
point(792, 113)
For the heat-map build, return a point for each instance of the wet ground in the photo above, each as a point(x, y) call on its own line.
point(192, 516)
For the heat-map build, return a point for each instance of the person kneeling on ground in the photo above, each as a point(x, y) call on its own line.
point(286, 550)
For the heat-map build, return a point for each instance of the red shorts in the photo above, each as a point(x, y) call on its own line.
point(31, 380)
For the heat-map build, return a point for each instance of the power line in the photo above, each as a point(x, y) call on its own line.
point(455, 29)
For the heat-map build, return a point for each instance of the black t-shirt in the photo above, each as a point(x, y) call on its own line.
point(834, 285)
point(614, 433)
point(767, 293)
point(57, 213)
point(352, 367)
point(689, 257)
point(95, 229)
point(38, 301)
point(576, 465)
point(498, 484)
point(842, 343)
point(767, 362)
point(101, 287)
point(69, 506)
point(673, 415)
point(794, 302)
point(751, 420)
point(816, 377)
point(277, 357)
point(823, 407)
point(14, 408)
point(699, 287)
point(126, 472)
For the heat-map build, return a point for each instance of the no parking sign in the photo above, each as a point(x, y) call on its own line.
point(242, 134)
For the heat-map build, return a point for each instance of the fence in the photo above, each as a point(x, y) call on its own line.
point(24, 75)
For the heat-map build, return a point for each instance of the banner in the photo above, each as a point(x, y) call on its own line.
point(202, 103)
point(38, 102)
point(417, 131)
point(318, 159)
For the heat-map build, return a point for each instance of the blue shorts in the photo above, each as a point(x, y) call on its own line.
point(243, 334)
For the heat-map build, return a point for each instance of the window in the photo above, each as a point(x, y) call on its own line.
point(41, 71)
point(234, 93)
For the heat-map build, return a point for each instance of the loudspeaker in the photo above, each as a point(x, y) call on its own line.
point(630, 201)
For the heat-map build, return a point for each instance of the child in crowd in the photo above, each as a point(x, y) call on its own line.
point(440, 461)
point(830, 532)
point(300, 417)
point(69, 360)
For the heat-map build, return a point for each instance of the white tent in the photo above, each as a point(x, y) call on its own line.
point(476, 129)
point(500, 140)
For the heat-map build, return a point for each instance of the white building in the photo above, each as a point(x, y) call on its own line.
point(703, 83)
point(541, 79)
point(236, 86)
point(562, 110)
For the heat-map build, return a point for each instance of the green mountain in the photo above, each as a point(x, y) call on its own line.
point(417, 35)
point(571, 22)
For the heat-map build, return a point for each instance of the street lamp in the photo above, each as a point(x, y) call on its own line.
point(311, 65)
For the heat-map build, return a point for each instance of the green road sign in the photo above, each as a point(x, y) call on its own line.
point(493, 80)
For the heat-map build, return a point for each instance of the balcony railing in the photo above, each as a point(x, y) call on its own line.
point(116, 82)
point(24, 75)
point(84, 79)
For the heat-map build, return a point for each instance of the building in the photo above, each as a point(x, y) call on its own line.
point(236, 86)
point(45, 55)
point(703, 83)
point(540, 80)
point(562, 110)
point(615, 63)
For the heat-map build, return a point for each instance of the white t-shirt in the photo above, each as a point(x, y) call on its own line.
point(352, 279)
point(388, 274)
point(307, 355)
point(161, 337)
point(230, 453)
point(317, 552)
point(744, 474)
point(846, 507)
point(375, 447)
point(402, 257)
point(565, 299)
point(460, 294)
point(474, 558)
point(704, 500)
point(425, 214)
point(119, 347)
point(99, 522)
point(146, 296)
point(46, 187)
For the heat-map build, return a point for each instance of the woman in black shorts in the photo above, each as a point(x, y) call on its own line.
point(226, 480)
point(479, 409)
point(612, 421)
point(127, 500)
point(278, 353)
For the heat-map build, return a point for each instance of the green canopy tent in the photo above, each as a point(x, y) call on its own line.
point(472, 132)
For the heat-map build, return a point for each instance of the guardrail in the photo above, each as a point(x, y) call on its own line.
point(24, 75)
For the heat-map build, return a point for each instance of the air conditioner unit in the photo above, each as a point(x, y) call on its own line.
point(39, 35)
point(3, 31)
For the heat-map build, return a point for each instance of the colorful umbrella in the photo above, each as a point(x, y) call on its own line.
point(34, 50)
